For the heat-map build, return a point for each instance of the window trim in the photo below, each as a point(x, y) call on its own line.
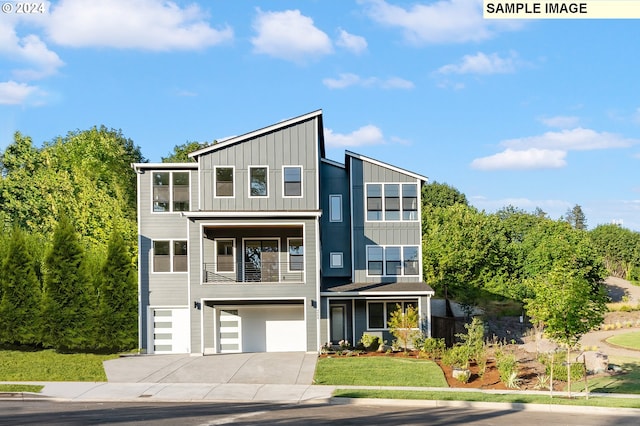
point(331, 209)
point(340, 255)
point(289, 255)
point(384, 199)
point(171, 256)
point(253, 166)
point(233, 254)
point(384, 260)
point(215, 182)
point(170, 201)
point(385, 312)
point(284, 194)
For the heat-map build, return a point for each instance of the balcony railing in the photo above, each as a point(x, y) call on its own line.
point(250, 272)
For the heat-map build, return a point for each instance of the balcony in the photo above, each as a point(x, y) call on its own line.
point(253, 272)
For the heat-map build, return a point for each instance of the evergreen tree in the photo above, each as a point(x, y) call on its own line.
point(576, 218)
point(117, 324)
point(67, 300)
point(20, 302)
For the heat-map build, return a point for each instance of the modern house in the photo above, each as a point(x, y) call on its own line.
point(263, 244)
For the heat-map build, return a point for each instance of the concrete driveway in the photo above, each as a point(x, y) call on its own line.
point(253, 368)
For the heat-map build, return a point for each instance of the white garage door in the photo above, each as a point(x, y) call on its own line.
point(169, 331)
point(273, 329)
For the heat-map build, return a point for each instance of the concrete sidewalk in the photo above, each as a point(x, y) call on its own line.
point(178, 392)
point(282, 394)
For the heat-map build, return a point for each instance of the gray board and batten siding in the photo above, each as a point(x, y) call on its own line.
point(293, 145)
point(380, 233)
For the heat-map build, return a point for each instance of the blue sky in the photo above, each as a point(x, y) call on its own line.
point(531, 113)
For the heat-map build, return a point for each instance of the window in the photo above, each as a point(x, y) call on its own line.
point(392, 201)
point(379, 313)
point(296, 254)
point(224, 256)
point(180, 191)
point(374, 202)
point(179, 256)
point(375, 255)
point(335, 208)
point(411, 263)
point(224, 181)
point(292, 181)
point(170, 256)
point(336, 260)
point(258, 181)
point(393, 261)
point(376, 315)
point(170, 191)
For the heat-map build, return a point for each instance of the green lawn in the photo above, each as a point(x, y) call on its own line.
point(51, 366)
point(627, 382)
point(558, 399)
point(21, 388)
point(626, 340)
point(378, 371)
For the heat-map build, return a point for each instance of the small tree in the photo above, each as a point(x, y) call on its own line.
point(117, 321)
point(568, 306)
point(404, 324)
point(20, 302)
point(67, 300)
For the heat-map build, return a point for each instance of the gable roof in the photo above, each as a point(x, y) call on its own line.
point(282, 124)
point(386, 165)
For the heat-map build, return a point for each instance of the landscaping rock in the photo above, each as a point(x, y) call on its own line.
point(596, 362)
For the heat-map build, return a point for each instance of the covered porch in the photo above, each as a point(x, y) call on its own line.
point(253, 254)
point(352, 310)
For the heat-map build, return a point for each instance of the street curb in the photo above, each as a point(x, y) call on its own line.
point(547, 408)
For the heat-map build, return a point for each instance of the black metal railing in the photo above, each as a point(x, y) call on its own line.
point(252, 272)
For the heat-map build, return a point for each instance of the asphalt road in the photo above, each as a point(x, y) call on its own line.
point(185, 414)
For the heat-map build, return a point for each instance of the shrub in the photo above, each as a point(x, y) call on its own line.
point(370, 342)
point(433, 348)
point(560, 371)
point(507, 365)
point(456, 357)
point(560, 368)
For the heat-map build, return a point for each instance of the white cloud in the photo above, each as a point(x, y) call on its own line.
point(354, 43)
point(348, 79)
point(444, 21)
point(560, 121)
point(481, 63)
point(132, 24)
point(13, 93)
point(366, 135)
point(549, 149)
point(578, 139)
point(289, 35)
point(30, 51)
point(532, 158)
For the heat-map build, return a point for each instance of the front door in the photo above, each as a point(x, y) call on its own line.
point(261, 261)
point(338, 323)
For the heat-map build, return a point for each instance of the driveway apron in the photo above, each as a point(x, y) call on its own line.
point(251, 368)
